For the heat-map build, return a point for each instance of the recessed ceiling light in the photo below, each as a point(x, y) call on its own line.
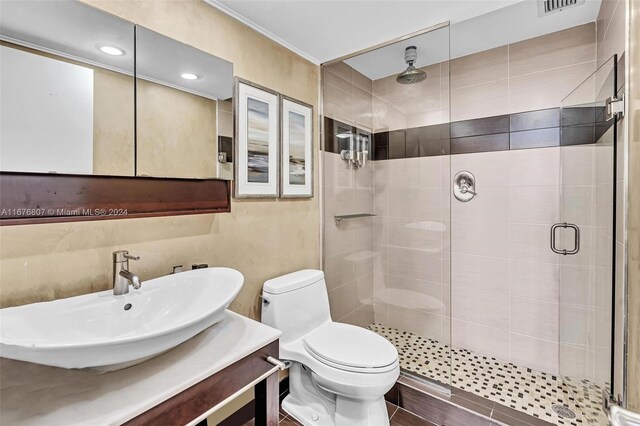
point(111, 50)
point(189, 76)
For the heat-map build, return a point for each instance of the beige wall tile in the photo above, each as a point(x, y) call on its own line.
point(379, 88)
point(362, 81)
point(534, 280)
point(482, 100)
point(491, 207)
point(411, 263)
point(482, 339)
point(338, 104)
point(563, 48)
point(342, 69)
point(480, 272)
point(342, 301)
point(544, 89)
point(534, 319)
point(613, 39)
point(420, 323)
point(574, 325)
point(577, 164)
point(362, 110)
point(479, 238)
point(534, 204)
point(362, 317)
point(540, 355)
point(480, 307)
point(607, 8)
point(338, 82)
point(534, 167)
point(578, 285)
point(572, 360)
point(490, 168)
point(478, 68)
point(338, 271)
point(531, 243)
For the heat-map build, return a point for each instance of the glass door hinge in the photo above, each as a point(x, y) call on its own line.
point(608, 400)
point(615, 107)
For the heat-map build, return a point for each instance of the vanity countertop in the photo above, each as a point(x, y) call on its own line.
point(32, 394)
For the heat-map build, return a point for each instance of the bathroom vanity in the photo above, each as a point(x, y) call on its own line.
point(179, 387)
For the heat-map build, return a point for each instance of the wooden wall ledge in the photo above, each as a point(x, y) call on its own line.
point(27, 198)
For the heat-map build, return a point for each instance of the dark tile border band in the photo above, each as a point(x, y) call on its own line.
point(544, 128)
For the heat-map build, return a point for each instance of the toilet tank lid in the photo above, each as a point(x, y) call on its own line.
point(292, 281)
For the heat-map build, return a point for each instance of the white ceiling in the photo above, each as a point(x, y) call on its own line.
point(322, 30)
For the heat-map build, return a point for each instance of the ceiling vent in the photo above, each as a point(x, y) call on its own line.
point(546, 7)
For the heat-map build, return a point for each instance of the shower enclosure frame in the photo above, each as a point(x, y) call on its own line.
point(615, 130)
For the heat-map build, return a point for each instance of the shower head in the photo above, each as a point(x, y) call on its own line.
point(411, 75)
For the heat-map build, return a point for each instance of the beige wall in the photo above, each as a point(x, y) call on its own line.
point(261, 239)
point(633, 238)
point(113, 123)
point(176, 133)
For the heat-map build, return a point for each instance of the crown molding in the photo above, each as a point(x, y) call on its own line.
point(261, 30)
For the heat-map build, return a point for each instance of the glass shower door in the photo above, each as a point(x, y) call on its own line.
point(583, 240)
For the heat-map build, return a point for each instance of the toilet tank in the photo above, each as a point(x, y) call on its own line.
point(295, 303)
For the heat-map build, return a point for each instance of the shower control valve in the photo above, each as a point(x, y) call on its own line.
point(464, 186)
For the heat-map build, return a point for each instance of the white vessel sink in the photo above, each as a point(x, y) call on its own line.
point(110, 332)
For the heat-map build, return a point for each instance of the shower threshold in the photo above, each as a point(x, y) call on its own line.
point(520, 388)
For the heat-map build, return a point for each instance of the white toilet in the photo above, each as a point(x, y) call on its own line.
point(339, 372)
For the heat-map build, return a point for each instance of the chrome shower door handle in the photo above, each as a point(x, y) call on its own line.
point(576, 239)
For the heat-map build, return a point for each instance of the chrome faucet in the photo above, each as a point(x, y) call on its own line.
point(121, 274)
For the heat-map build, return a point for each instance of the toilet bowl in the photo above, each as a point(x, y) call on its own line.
point(339, 372)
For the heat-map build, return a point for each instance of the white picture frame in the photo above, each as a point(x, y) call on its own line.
point(296, 163)
point(257, 146)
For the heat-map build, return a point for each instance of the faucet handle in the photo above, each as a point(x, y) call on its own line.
point(120, 256)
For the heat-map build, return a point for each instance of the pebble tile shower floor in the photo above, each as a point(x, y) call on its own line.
point(523, 389)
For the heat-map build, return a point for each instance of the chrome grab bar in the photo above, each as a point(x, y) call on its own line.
point(576, 239)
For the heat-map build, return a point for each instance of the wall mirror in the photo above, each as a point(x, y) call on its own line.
point(85, 92)
point(67, 89)
point(183, 95)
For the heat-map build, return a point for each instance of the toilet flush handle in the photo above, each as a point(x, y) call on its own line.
point(265, 301)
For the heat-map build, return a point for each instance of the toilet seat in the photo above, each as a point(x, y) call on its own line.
point(351, 348)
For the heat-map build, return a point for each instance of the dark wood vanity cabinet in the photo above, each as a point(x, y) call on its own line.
point(201, 397)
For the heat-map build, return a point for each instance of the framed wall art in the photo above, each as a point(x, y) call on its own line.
point(256, 127)
point(296, 166)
